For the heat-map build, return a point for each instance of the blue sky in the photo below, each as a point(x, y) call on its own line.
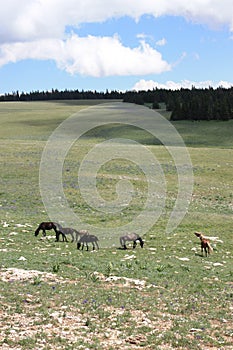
point(115, 45)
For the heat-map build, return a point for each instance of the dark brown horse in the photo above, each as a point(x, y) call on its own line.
point(46, 226)
point(205, 244)
point(131, 237)
point(87, 238)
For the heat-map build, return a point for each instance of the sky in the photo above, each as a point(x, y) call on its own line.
point(115, 44)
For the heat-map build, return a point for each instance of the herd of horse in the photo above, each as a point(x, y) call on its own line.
point(83, 237)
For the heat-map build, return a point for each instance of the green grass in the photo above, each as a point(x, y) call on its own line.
point(206, 134)
point(164, 296)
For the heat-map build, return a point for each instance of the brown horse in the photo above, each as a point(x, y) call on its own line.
point(87, 238)
point(65, 231)
point(205, 244)
point(75, 234)
point(131, 237)
point(46, 226)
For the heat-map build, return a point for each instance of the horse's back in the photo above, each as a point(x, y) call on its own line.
point(86, 238)
point(132, 236)
point(83, 232)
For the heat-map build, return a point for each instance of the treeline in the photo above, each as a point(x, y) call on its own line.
point(184, 104)
point(188, 104)
point(55, 94)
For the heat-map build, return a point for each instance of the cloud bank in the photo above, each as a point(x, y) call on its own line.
point(186, 84)
point(34, 19)
point(42, 29)
point(91, 56)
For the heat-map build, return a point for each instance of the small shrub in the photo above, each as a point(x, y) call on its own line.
point(56, 268)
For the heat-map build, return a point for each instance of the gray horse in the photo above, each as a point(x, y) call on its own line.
point(85, 239)
point(131, 237)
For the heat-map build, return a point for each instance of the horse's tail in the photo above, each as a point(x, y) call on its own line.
point(210, 249)
point(76, 235)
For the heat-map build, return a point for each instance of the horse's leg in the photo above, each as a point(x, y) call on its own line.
point(87, 246)
point(97, 245)
point(44, 232)
point(76, 235)
point(121, 242)
point(64, 239)
point(72, 237)
point(57, 236)
point(134, 244)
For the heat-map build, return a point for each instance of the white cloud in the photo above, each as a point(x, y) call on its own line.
point(90, 56)
point(34, 19)
point(161, 42)
point(143, 36)
point(196, 56)
point(150, 85)
point(37, 29)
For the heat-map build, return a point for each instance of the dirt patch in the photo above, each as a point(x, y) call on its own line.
point(15, 274)
point(60, 326)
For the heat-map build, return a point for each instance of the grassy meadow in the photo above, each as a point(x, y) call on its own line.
point(164, 296)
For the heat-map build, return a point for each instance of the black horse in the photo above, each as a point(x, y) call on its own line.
point(46, 226)
point(87, 238)
point(131, 237)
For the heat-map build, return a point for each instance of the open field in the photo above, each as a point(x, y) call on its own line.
point(164, 296)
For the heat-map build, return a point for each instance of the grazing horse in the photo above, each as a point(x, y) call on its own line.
point(65, 231)
point(205, 244)
point(87, 238)
point(45, 226)
point(131, 237)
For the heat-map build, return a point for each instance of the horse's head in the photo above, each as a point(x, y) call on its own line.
point(198, 234)
point(141, 243)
